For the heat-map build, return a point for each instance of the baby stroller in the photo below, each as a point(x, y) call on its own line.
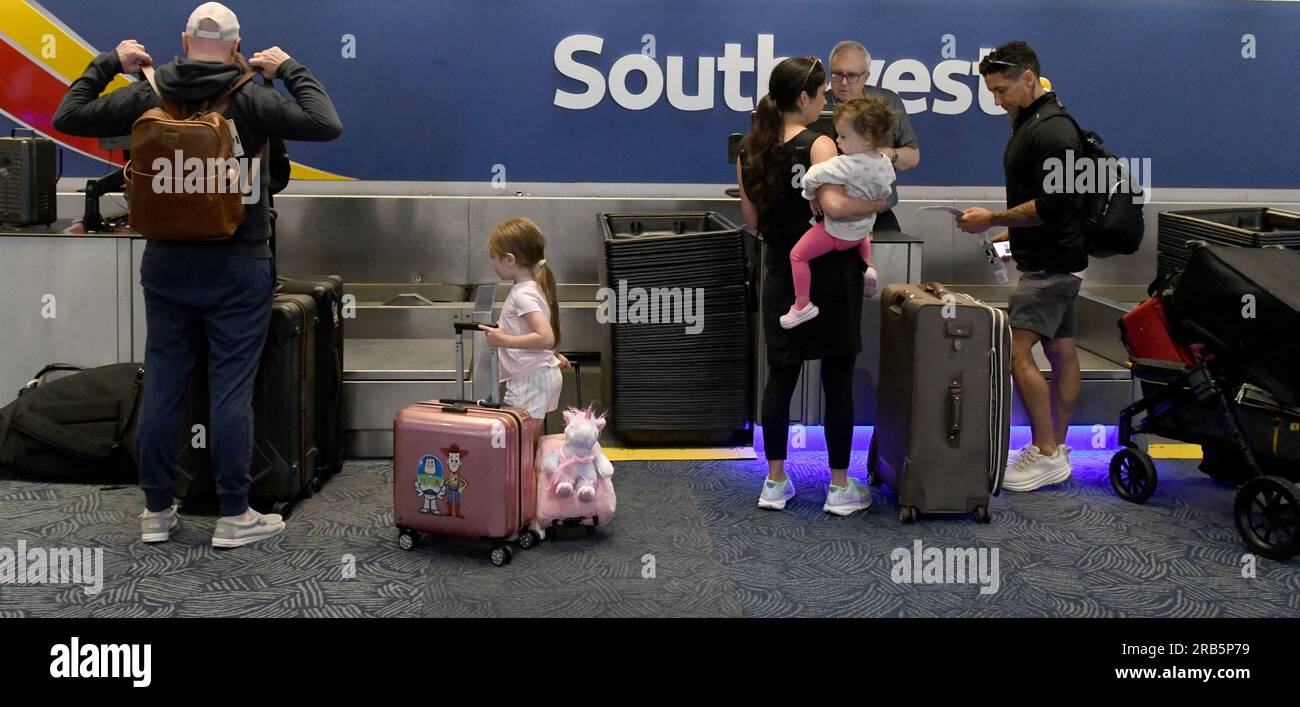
point(1217, 354)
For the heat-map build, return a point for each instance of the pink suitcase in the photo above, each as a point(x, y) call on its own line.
point(554, 512)
point(465, 469)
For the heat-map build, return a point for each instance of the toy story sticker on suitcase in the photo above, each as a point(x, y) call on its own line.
point(439, 486)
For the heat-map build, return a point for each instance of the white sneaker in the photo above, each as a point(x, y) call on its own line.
point(1032, 469)
point(870, 283)
point(844, 501)
point(795, 317)
point(774, 495)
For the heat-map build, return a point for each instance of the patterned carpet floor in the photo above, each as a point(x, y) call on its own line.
point(1073, 550)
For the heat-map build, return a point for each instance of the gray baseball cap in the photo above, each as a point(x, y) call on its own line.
point(212, 20)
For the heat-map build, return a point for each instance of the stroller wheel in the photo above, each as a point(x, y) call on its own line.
point(1267, 512)
point(1133, 475)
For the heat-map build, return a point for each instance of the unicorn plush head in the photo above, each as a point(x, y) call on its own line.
point(582, 428)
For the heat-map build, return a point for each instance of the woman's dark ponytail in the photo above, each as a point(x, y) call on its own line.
point(764, 137)
point(789, 79)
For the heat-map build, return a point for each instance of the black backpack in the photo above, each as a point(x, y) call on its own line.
point(78, 428)
point(1111, 218)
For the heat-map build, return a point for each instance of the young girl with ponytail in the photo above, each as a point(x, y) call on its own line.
point(528, 334)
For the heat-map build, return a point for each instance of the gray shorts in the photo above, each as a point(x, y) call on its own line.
point(1044, 304)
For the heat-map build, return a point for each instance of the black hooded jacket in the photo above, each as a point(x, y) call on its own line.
point(258, 112)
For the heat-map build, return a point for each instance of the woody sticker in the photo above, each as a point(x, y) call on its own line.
point(454, 484)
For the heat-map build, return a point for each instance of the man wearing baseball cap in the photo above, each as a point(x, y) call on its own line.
point(220, 291)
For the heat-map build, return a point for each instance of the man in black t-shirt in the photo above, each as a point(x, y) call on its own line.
point(1048, 245)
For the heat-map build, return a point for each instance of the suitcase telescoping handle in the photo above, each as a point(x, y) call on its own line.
point(459, 404)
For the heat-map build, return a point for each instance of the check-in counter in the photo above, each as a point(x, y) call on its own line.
point(67, 297)
point(413, 262)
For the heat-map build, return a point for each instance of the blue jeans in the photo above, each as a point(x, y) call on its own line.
point(201, 296)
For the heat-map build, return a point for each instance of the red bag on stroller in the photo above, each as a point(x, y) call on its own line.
point(1145, 333)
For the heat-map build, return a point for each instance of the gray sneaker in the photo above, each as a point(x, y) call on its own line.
point(158, 527)
point(237, 534)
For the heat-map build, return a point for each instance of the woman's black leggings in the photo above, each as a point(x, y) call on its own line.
point(837, 387)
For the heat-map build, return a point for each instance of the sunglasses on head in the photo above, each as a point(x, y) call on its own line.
point(815, 63)
point(987, 62)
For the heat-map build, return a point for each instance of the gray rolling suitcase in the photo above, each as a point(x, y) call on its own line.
point(944, 404)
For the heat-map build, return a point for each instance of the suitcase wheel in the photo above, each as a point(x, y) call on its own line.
point(982, 514)
point(501, 555)
point(873, 479)
point(1133, 475)
point(528, 539)
point(408, 539)
point(908, 514)
point(283, 508)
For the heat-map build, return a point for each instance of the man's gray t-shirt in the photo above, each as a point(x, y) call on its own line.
point(904, 134)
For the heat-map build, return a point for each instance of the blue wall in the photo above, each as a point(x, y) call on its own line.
point(444, 90)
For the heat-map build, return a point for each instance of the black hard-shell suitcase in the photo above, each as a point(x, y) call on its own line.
point(284, 451)
point(327, 290)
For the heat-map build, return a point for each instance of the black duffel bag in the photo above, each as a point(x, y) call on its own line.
point(77, 428)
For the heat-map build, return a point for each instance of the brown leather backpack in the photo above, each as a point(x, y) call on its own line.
point(177, 203)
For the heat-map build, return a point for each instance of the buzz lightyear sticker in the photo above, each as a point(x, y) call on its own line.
point(430, 484)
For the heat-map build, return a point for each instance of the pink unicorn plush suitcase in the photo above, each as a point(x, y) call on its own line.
point(464, 469)
point(574, 477)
